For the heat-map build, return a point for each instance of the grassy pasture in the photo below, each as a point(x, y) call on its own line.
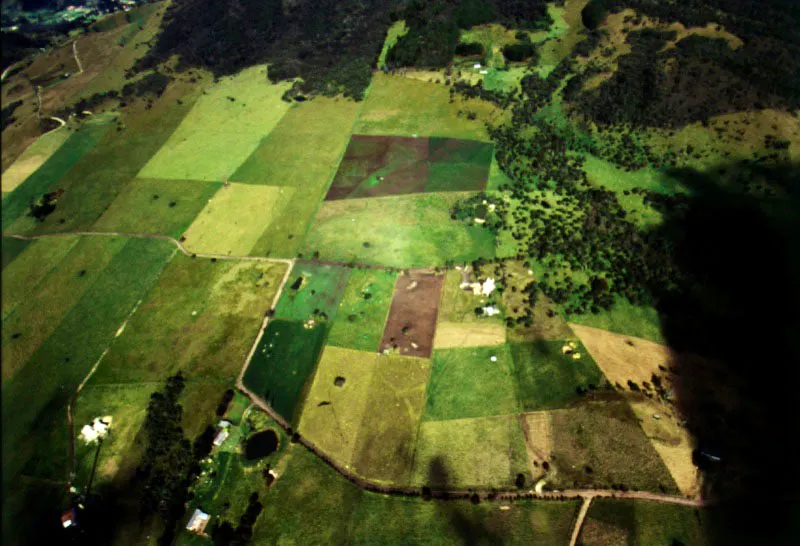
point(157, 206)
point(34, 399)
point(403, 106)
point(395, 31)
point(548, 379)
point(483, 452)
point(466, 383)
point(639, 523)
point(309, 503)
point(233, 220)
point(400, 231)
point(33, 158)
point(30, 321)
point(200, 318)
point(605, 436)
point(300, 154)
point(51, 171)
point(381, 519)
point(34, 260)
point(332, 415)
point(626, 319)
point(363, 310)
point(320, 290)
point(283, 365)
point(219, 133)
point(385, 444)
point(609, 176)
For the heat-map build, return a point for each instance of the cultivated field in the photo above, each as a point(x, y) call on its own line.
point(375, 166)
point(411, 324)
point(33, 158)
point(300, 154)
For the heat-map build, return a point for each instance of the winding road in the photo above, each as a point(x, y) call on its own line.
point(586, 495)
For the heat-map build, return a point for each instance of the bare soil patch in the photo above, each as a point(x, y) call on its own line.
point(411, 325)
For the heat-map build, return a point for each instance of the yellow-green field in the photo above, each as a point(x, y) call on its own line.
point(332, 414)
point(234, 219)
point(487, 452)
point(219, 133)
point(404, 106)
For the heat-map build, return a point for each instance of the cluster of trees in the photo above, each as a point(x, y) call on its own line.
point(331, 46)
point(433, 34)
point(45, 205)
point(224, 534)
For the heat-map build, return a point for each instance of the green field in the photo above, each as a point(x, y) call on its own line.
point(605, 436)
point(385, 444)
point(403, 106)
point(626, 521)
point(363, 310)
point(166, 207)
point(625, 318)
point(48, 176)
point(200, 318)
point(34, 399)
point(402, 231)
point(466, 383)
point(219, 133)
point(332, 414)
point(283, 365)
point(548, 379)
point(312, 291)
point(483, 452)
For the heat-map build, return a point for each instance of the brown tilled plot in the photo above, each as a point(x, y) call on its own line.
point(412, 317)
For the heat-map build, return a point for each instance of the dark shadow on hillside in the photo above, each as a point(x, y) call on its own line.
point(468, 528)
point(733, 325)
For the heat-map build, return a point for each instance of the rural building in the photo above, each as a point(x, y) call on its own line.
point(221, 436)
point(198, 521)
point(69, 518)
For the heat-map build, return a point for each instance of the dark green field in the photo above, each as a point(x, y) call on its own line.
point(547, 379)
point(284, 364)
point(11, 248)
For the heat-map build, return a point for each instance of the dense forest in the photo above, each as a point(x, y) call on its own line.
point(331, 45)
point(433, 34)
point(701, 76)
